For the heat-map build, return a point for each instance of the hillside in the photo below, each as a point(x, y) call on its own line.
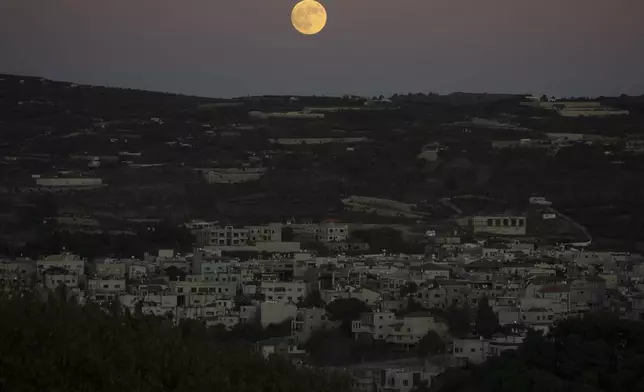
point(156, 150)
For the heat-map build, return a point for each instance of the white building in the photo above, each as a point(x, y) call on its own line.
point(69, 182)
point(222, 290)
point(496, 224)
point(333, 232)
point(292, 292)
point(65, 261)
point(52, 281)
point(272, 312)
point(239, 236)
point(477, 349)
point(306, 321)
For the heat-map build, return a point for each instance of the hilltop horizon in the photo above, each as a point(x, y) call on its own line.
point(285, 94)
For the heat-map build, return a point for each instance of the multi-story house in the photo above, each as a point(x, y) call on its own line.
point(636, 307)
point(484, 270)
point(366, 295)
point(477, 349)
point(428, 271)
point(410, 329)
point(239, 236)
point(536, 284)
point(323, 232)
point(406, 330)
point(540, 319)
point(285, 346)
point(10, 269)
point(306, 321)
point(392, 376)
point(54, 277)
point(229, 321)
point(66, 261)
point(249, 313)
point(222, 277)
point(333, 232)
point(377, 324)
point(512, 225)
point(138, 270)
point(214, 267)
point(101, 290)
point(223, 290)
point(433, 296)
point(284, 291)
point(109, 269)
point(587, 293)
point(471, 350)
point(272, 312)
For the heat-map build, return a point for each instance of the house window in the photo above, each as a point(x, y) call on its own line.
point(405, 382)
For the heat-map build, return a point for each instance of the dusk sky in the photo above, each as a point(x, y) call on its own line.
point(224, 48)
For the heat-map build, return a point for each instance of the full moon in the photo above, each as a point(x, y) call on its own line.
point(308, 17)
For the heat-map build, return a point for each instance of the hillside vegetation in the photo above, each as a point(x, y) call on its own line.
point(599, 353)
point(56, 346)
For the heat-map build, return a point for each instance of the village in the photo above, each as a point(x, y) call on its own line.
point(472, 295)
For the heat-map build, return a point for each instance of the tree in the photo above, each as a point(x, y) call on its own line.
point(430, 344)
point(487, 323)
point(175, 274)
point(346, 310)
point(408, 289)
point(458, 320)
point(330, 347)
point(314, 299)
point(277, 330)
point(241, 299)
point(597, 353)
point(89, 349)
point(287, 234)
point(412, 306)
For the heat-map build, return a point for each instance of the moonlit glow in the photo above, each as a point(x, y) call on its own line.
point(308, 17)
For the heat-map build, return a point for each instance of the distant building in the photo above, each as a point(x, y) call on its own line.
point(476, 349)
point(64, 181)
point(496, 224)
point(238, 236)
point(278, 346)
point(306, 321)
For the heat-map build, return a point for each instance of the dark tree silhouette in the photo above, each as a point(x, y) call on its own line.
point(346, 310)
point(459, 320)
point(599, 353)
point(431, 343)
point(57, 346)
point(487, 323)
